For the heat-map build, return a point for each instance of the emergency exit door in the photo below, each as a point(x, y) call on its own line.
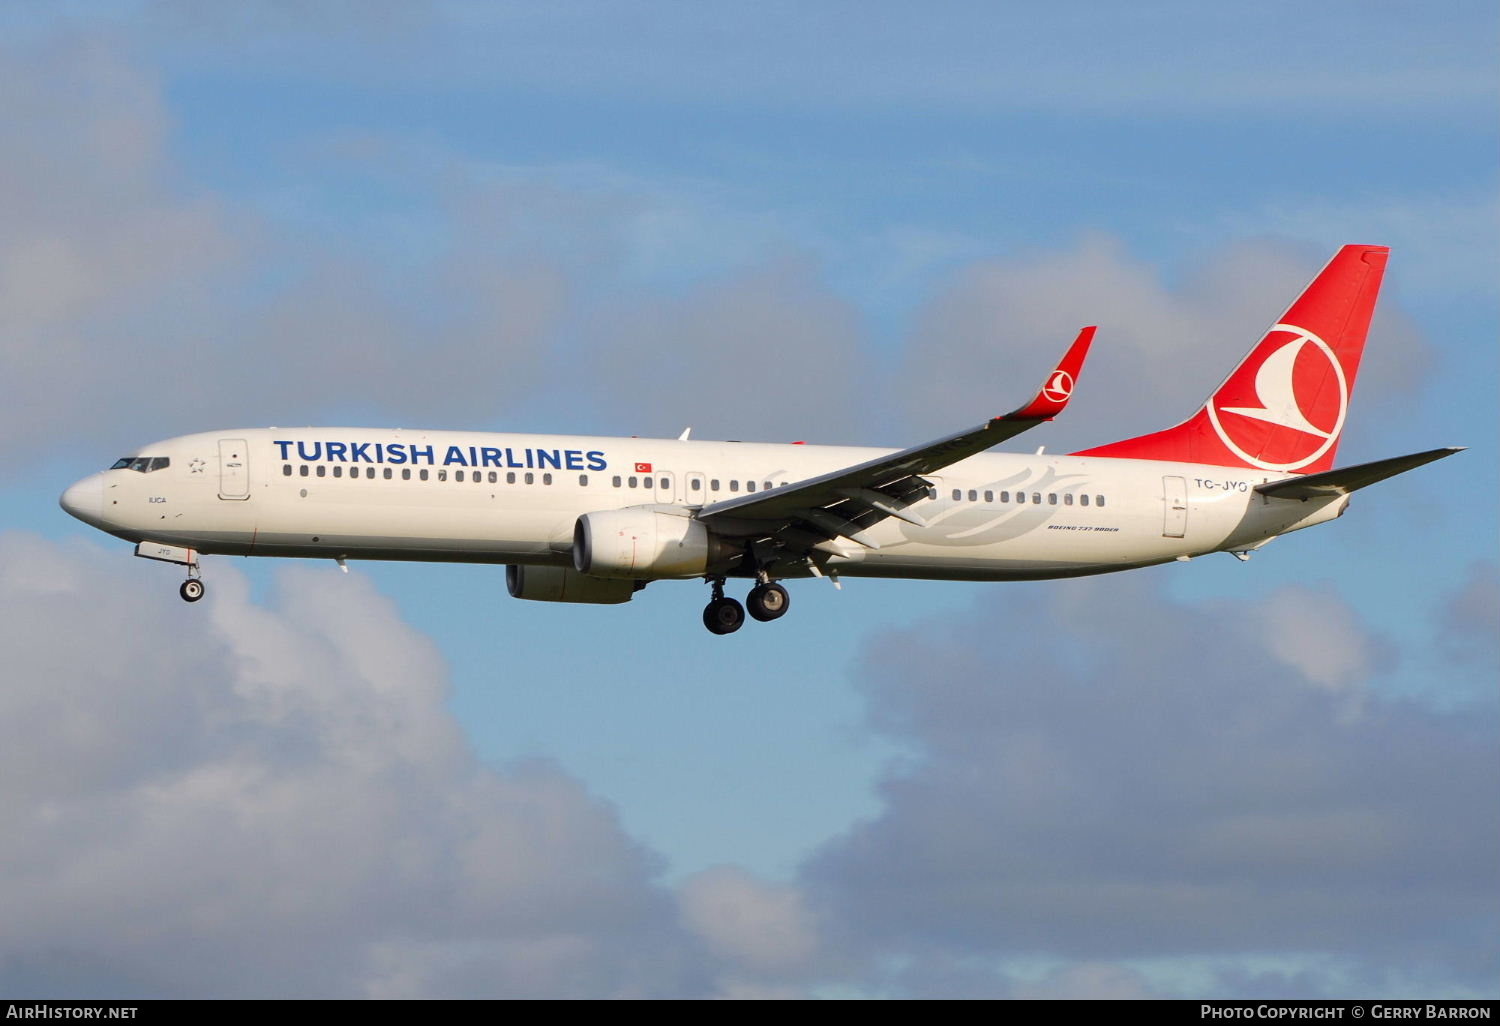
point(1174, 500)
point(234, 469)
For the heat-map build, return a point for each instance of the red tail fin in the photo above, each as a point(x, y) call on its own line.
point(1283, 407)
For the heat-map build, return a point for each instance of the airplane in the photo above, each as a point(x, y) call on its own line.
point(594, 519)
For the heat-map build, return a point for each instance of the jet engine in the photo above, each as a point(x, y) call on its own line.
point(559, 584)
point(642, 543)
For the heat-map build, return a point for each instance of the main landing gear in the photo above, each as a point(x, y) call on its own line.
point(767, 601)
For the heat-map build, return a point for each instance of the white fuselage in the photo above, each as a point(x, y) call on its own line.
point(508, 498)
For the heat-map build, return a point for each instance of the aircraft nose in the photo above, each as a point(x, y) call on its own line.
point(85, 500)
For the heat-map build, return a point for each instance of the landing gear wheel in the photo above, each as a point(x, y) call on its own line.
point(768, 602)
point(723, 616)
point(191, 590)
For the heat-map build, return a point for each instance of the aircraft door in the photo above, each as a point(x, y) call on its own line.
point(234, 469)
point(695, 491)
point(1174, 501)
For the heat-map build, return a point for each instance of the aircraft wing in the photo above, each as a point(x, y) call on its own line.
point(813, 514)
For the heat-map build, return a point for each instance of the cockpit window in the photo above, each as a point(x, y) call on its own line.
point(141, 464)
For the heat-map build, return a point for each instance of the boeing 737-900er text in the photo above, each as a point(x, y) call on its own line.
point(583, 519)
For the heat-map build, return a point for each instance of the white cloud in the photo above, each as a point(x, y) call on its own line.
point(760, 928)
point(1319, 638)
point(248, 799)
point(95, 232)
point(166, 308)
point(1109, 774)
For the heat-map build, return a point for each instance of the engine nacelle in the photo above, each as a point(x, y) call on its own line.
point(641, 543)
point(559, 584)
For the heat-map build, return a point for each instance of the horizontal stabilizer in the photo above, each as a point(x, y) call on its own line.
point(1351, 479)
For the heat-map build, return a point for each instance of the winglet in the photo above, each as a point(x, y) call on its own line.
point(1055, 392)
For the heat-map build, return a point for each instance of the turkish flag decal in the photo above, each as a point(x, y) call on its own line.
point(643, 468)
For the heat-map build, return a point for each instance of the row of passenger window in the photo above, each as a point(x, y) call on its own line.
point(695, 484)
point(422, 474)
point(1036, 498)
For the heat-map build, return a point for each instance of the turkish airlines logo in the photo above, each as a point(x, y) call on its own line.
point(1289, 386)
point(1058, 387)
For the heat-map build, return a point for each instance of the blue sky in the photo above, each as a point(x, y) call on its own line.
point(851, 223)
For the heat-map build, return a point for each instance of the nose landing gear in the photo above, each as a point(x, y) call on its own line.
point(192, 588)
